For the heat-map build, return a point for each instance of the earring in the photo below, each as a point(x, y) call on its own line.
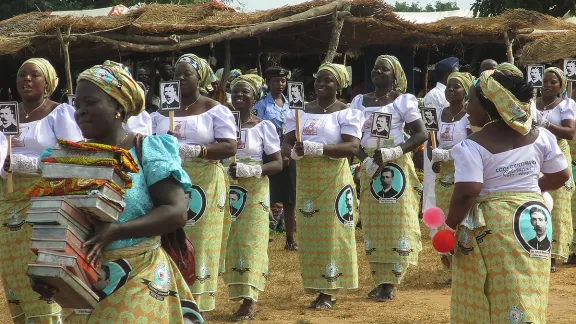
point(118, 115)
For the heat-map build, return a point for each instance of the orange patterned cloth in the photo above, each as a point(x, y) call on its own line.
point(94, 162)
point(127, 162)
point(72, 186)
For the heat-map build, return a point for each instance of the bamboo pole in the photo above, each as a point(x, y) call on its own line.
point(338, 24)
point(220, 94)
point(426, 73)
point(65, 42)
point(509, 43)
point(9, 179)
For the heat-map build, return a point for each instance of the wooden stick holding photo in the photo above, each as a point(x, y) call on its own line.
point(296, 102)
point(238, 131)
point(10, 126)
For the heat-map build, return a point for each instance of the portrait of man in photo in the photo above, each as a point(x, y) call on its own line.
point(295, 94)
point(386, 178)
point(570, 70)
point(429, 116)
point(539, 222)
point(381, 127)
point(535, 76)
point(8, 122)
point(349, 216)
point(233, 198)
point(170, 96)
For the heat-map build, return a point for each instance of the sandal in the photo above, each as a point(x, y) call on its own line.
point(374, 293)
point(291, 246)
point(325, 305)
point(245, 316)
point(383, 295)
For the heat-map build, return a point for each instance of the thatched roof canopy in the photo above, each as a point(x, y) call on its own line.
point(549, 48)
point(304, 28)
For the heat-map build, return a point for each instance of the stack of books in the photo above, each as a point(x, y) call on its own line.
point(61, 224)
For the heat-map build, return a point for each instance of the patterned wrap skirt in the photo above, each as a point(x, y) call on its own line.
point(561, 213)
point(208, 226)
point(326, 224)
point(500, 271)
point(390, 220)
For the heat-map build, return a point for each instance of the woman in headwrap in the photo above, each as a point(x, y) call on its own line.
point(206, 131)
point(500, 269)
point(156, 204)
point(42, 121)
point(555, 112)
point(388, 182)
point(247, 248)
point(330, 134)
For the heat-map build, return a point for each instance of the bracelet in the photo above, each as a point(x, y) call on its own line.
point(203, 151)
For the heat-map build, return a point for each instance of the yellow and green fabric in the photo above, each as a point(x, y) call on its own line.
point(497, 277)
point(562, 212)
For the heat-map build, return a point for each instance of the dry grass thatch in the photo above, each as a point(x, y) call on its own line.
point(151, 29)
point(549, 48)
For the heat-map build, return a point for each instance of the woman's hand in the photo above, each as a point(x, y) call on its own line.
point(285, 162)
point(445, 260)
point(104, 234)
point(7, 163)
point(436, 167)
point(232, 171)
point(43, 289)
point(299, 148)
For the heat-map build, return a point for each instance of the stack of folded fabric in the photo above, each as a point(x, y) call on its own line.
point(81, 182)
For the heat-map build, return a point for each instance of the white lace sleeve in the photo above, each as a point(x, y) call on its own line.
point(20, 163)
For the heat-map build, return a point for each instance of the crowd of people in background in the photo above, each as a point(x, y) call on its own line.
point(495, 148)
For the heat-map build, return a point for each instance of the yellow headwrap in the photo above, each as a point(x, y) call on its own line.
point(203, 68)
point(253, 80)
point(48, 71)
point(513, 111)
point(115, 79)
point(339, 72)
point(510, 68)
point(400, 82)
point(466, 79)
point(561, 77)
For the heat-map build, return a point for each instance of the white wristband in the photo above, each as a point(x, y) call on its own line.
point(188, 152)
point(391, 154)
point(22, 164)
point(248, 171)
point(370, 167)
point(440, 155)
point(313, 148)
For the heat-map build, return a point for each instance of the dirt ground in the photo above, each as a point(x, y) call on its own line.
point(423, 298)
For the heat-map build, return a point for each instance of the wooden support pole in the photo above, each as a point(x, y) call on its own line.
point(426, 72)
point(220, 94)
point(509, 44)
point(337, 25)
point(65, 42)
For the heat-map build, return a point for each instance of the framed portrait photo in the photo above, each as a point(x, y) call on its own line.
point(170, 95)
point(238, 126)
point(570, 69)
point(381, 123)
point(535, 75)
point(71, 100)
point(9, 119)
point(296, 95)
point(430, 118)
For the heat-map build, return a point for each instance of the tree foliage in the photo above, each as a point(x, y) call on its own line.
point(556, 8)
point(10, 8)
point(403, 6)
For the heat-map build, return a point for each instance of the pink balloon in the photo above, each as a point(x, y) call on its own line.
point(433, 217)
point(444, 241)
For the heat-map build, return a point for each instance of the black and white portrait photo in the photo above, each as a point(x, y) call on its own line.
point(9, 118)
point(535, 75)
point(539, 222)
point(170, 95)
point(72, 100)
point(381, 125)
point(430, 118)
point(296, 95)
point(533, 228)
point(570, 69)
point(238, 126)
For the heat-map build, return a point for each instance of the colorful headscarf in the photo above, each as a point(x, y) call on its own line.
point(466, 79)
point(219, 73)
point(510, 68)
point(234, 74)
point(253, 80)
point(203, 68)
point(513, 111)
point(339, 72)
point(561, 76)
point(400, 83)
point(48, 71)
point(115, 79)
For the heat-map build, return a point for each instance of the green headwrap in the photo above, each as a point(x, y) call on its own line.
point(466, 79)
point(203, 68)
point(400, 82)
point(48, 71)
point(115, 79)
point(253, 80)
point(339, 72)
point(561, 77)
point(513, 111)
point(509, 67)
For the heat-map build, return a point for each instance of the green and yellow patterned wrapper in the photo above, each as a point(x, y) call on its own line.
point(561, 213)
point(15, 254)
point(247, 247)
point(390, 219)
point(207, 228)
point(326, 223)
point(497, 275)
